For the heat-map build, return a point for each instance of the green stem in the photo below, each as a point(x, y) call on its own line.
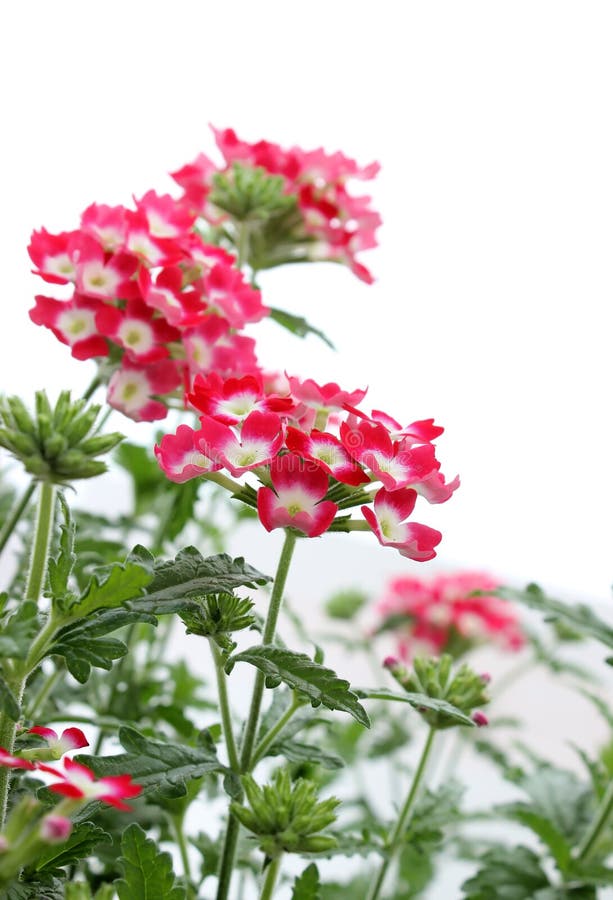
point(15, 515)
point(34, 584)
point(395, 838)
point(223, 481)
point(272, 873)
point(224, 706)
point(270, 735)
point(598, 823)
point(242, 244)
point(231, 839)
point(177, 827)
point(46, 688)
point(91, 389)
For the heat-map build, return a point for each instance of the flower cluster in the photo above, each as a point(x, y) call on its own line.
point(448, 614)
point(77, 782)
point(314, 452)
point(148, 298)
point(326, 221)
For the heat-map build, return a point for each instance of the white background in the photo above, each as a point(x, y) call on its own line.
point(493, 125)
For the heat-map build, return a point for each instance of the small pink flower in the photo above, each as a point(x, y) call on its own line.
point(73, 322)
point(296, 497)
point(71, 739)
point(391, 508)
point(133, 389)
point(80, 783)
point(261, 438)
point(230, 401)
point(55, 829)
point(327, 452)
point(180, 457)
point(480, 719)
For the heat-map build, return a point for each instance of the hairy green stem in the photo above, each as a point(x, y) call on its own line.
point(224, 706)
point(231, 839)
point(46, 689)
point(395, 838)
point(15, 515)
point(272, 873)
point(34, 585)
point(272, 733)
point(598, 823)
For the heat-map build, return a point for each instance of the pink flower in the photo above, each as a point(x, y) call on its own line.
point(14, 762)
point(316, 402)
point(71, 739)
point(327, 452)
point(180, 457)
point(132, 389)
point(55, 829)
point(80, 783)
point(296, 497)
point(230, 401)
point(55, 255)
point(261, 438)
point(73, 322)
point(388, 523)
point(143, 337)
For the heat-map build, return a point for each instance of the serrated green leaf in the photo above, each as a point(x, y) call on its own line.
point(47, 888)
point(160, 768)
point(296, 752)
point(561, 798)
point(8, 702)
point(320, 684)
point(148, 873)
point(189, 575)
point(512, 873)
point(555, 842)
point(297, 325)
point(82, 840)
point(580, 617)
point(19, 630)
point(111, 586)
point(418, 701)
point(307, 886)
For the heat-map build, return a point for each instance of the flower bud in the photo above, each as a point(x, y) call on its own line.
point(55, 829)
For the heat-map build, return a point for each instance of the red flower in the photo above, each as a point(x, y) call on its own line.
point(80, 783)
point(261, 438)
point(297, 499)
point(388, 523)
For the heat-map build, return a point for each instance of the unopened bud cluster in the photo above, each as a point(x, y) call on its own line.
point(217, 616)
point(433, 676)
point(286, 816)
point(56, 444)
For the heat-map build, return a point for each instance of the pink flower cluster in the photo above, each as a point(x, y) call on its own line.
point(339, 224)
point(313, 452)
point(77, 782)
point(445, 615)
point(148, 295)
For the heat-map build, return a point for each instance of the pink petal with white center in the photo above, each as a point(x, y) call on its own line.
point(232, 400)
point(132, 389)
point(414, 541)
point(435, 489)
point(261, 438)
point(107, 224)
point(165, 217)
point(73, 322)
point(326, 451)
point(79, 782)
point(55, 255)
point(327, 396)
point(180, 458)
point(296, 500)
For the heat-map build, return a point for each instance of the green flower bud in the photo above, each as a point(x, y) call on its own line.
point(217, 616)
point(55, 443)
point(286, 816)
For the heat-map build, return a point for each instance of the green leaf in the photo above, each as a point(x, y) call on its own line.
point(161, 768)
point(148, 873)
point(306, 886)
point(297, 325)
point(512, 873)
point(60, 566)
point(45, 889)
point(111, 586)
point(191, 575)
point(83, 643)
point(297, 752)
point(18, 632)
point(578, 616)
point(82, 840)
point(561, 798)
point(556, 843)
point(8, 702)
point(346, 604)
point(299, 672)
point(418, 701)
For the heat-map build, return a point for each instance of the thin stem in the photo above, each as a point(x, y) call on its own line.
point(598, 823)
point(34, 584)
point(223, 481)
point(270, 735)
point(224, 706)
point(231, 839)
point(91, 389)
point(272, 873)
point(177, 827)
point(242, 244)
point(15, 515)
point(395, 839)
point(45, 690)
